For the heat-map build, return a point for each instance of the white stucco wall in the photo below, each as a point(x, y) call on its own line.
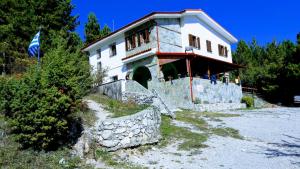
point(113, 64)
point(193, 25)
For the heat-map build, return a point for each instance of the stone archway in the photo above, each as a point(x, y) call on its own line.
point(142, 75)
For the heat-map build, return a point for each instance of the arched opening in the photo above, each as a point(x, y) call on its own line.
point(142, 75)
point(170, 71)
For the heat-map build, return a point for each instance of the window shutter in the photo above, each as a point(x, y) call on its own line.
point(147, 35)
point(198, 43)
point(126, 43)
point(226, 51)
point(190, 40)
point(133, 41)
point(219, 46)
point(139, 36)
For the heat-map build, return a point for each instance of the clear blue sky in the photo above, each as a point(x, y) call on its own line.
point(265, 20)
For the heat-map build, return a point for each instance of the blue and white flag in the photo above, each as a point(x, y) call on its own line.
point(34, 46)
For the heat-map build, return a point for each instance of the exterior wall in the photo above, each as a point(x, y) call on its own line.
point(114, 64)
point(193, 25)
point(138, 129)
point(169, 34)
point(150, 63)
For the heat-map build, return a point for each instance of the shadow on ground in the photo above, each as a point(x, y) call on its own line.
point(289, 147)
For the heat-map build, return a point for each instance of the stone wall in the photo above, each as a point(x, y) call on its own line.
point(207, 93)
point(129, 131)
point(217, 107)
point(134, 92)
point(169, 32)
point(112, 90)
point(175, 94)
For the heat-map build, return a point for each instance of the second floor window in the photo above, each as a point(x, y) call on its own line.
point(112, 50)
point(208, 46)
point(143, 37)
point(130, 43)
point(194, 41)
point(137, 39)
point(223, 51)
point(98, 53)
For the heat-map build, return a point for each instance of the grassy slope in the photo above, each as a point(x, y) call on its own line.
point(117, 108)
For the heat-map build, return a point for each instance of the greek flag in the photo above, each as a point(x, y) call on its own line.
point(34, 46)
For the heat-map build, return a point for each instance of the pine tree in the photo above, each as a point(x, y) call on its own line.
point(92, 29)
point(105, 31)
point(21, 20)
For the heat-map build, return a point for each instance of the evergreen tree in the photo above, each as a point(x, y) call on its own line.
point(105, 31)
point(92, 29)
point(21, 20)
point(273, 69)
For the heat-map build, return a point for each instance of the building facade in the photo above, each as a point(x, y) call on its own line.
point(161, 38)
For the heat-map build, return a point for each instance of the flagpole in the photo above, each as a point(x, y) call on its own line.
point(39, 47)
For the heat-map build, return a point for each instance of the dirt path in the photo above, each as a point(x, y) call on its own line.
point(100, 113)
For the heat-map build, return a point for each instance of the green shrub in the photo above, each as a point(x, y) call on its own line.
point(248, 100)
point(40, 114)
point(8, 88)
point(40, 104)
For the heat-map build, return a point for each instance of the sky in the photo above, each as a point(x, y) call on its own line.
point(264, 20)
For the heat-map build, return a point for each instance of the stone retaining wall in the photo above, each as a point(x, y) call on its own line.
point(217, 107)
point(138, 98)
point(112, 89)
point(129, 131)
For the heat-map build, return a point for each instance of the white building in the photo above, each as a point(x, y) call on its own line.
point(164, 45)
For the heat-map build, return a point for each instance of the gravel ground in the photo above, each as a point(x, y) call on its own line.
point(272, 140)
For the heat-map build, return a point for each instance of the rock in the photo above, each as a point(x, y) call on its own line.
point(110, 143)
point(106, 134)
point(86, 147)
point(109, 127)
point(136, 131)
point(120, 130)
point(125, 141)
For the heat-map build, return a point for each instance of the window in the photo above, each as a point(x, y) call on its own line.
point(130, 43)
point(99, 66)
point(114, 78)
point(194, 41)
point(137, 39)
point(143, 37)
point(98, 53)
point(112, 50)
point(223, 51)
point(208, 46)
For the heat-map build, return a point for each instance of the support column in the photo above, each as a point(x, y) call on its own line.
point(189, 70)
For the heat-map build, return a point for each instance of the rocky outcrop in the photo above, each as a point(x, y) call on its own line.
point(129, 131)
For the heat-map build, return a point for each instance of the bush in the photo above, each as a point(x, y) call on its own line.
point(8, 88)
point(248, 100)
point(40, 104)
point(40, 114)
